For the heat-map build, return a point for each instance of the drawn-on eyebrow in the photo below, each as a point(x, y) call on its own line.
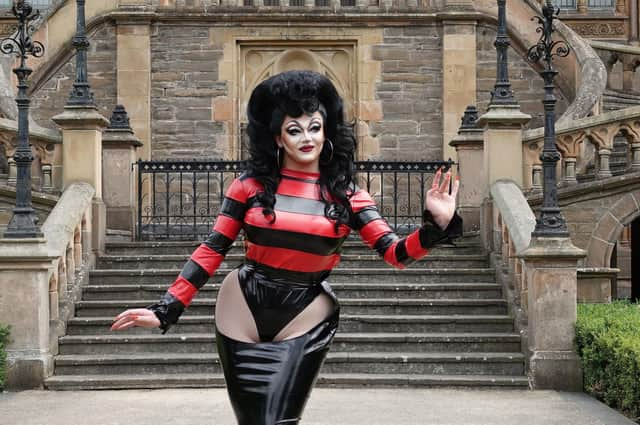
point(314, 120)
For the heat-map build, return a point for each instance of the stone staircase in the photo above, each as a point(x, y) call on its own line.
point(443, 321)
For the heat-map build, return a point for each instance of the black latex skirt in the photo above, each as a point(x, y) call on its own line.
point(269, 382)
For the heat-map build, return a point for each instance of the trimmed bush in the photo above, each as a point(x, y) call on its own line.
point(4, 341)
point(608, 342)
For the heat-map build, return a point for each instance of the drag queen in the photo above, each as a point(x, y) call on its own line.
point(276, 314)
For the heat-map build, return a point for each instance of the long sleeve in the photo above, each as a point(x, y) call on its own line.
point(206, 259)
point(396, 251)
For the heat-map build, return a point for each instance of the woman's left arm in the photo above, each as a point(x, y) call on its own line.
point(440, 224)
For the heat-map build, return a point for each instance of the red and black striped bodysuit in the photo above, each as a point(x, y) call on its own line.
point(297, 250)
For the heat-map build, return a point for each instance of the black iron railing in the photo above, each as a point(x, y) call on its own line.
point(180, 200)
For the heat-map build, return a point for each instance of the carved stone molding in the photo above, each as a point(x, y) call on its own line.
point(599, 29)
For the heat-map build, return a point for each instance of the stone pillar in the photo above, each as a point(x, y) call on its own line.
point(635, 156)
point(469, 145)
point(119, 146)
point(82, 159)
point(503, 139)
point(24, 305)
point(570, 170)
point(551, 276)
point(536, 177)
point(621, 6)
point(628, 71)
point(134, 79)
point(604, 170)
point(582, 6)
point(459, 76)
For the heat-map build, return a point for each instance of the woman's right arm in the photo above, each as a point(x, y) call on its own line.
point(204, 261)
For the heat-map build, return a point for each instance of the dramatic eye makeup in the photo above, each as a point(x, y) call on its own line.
point(295, 128)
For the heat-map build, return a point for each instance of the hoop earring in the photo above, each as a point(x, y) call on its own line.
point(331, 154)
point(278, 157)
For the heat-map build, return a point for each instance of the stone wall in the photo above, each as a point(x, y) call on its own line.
point(526, 83)
point(185, 85)
point(411, 93)
point(49, 99)
point(184, 82)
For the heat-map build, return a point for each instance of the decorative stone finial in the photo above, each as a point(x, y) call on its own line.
point(470, 118)
point(119, 119)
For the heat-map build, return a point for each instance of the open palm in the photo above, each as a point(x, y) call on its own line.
point(439, 202)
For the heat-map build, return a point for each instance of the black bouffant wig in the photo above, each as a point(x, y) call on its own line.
point(295, 93)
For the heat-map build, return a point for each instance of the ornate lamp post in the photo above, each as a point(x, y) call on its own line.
point(23, 224)
point(81, 93)
point(550, 221)
point(502, 93)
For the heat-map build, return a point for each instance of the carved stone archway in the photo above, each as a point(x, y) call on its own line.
point(259, 61)
point(609, 228)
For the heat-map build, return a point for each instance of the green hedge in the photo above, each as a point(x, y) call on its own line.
point(4, 341)
point(608, 340)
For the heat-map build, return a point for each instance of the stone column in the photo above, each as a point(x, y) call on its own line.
point(628, 71)
point(503, 139)
point(536, 177)
point(469, 146)
point(604, 169)
point(119, 146)
point(582, 6)
point(134, 79)
point(570, 170)
point(24, 305)
point(635, 156)
point(551, 277)
point(459, 75)
point(82, 159)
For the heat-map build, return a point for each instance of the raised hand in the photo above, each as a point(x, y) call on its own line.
point(439, 202)
point(135, 317)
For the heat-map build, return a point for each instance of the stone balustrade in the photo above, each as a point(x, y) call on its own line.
point(583, 141)
point(46, 146)
point(41, 279)
point(613, 54)
point(67, 231)
point(542, 280)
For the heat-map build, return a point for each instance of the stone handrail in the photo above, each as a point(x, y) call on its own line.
point(513, 222)
point(611, 53)
point(599, 131)
point(67, 232)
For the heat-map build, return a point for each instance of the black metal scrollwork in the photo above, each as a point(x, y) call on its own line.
point(550, 221)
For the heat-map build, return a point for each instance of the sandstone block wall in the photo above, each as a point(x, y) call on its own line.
point(411, 93)
point(526, 83)
point(184, 84)
point(49, 99)
point(186, 88)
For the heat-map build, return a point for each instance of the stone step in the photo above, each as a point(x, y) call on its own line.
point(336, 362)
point(203, 306)
point(119, 262)
point(347, 380)
point(349, 247)
point(116, 343)
point(348, 323)
point(353, 275)
point(343, 290)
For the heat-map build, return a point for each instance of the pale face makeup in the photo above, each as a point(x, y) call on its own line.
point(302, 139)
